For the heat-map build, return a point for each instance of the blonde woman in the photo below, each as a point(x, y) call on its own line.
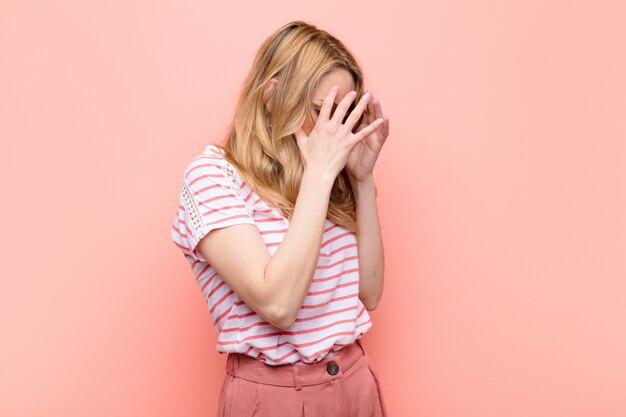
point(281, 230)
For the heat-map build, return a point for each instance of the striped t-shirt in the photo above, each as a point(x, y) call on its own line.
point(214, 195)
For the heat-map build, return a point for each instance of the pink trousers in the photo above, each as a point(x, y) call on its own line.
point(345, 385)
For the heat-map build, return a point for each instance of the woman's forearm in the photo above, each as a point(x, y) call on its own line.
point(370, 245)
point(289, 273)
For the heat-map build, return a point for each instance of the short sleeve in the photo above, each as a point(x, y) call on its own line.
point(210, 198)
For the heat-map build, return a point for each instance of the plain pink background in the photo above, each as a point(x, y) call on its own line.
point(502, 195)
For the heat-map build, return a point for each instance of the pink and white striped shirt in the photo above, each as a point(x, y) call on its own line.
point(214, 195)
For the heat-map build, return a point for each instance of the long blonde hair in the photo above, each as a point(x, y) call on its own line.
point(261, 144)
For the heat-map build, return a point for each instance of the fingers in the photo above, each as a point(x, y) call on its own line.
point(363, 133)
point(378, 109)
point(342, 108)
point(355, 115)
point(367, 116)
point(327, 104)
point(377, 112)
point(370, 112)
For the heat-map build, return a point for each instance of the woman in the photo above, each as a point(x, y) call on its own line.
point(281, 230)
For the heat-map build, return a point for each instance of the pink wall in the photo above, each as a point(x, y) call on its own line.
point(502, 193)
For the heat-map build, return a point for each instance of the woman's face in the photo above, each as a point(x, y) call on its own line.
point(339, 77)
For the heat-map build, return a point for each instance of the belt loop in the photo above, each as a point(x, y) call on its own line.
point(296, 376)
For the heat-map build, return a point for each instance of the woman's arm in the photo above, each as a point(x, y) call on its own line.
point(370, 245)
point(274, 286)
point(289, 273)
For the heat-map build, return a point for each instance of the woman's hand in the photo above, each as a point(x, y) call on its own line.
point(327, 148)
point(360, 164)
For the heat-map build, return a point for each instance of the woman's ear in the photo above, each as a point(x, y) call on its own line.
point(267, 93)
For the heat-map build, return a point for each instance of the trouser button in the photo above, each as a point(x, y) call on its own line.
point(332, 368)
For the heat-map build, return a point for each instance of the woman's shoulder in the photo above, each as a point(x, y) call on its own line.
point(210, 168)
point(209, 161)
point(212, 149)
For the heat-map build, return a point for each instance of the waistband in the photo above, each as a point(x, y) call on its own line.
point(296, 375)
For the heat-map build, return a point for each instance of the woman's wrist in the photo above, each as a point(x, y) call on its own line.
point(363, 184)
point(318, 178)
